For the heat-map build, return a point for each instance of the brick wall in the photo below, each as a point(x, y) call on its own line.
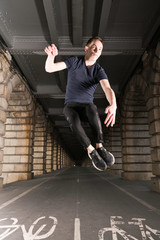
point(135, 132)
point(18, 136)
point(141, 121)
point(27, 138)
point(113, 143)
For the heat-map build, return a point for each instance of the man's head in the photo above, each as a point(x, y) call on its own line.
point(93, 48)
point(94, 38)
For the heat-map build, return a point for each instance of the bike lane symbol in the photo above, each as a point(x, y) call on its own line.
point(9, 228)
point(146, 231)
point(115, 230)
point(33, 236)
point(27, 235)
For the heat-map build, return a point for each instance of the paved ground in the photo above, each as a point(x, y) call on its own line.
point(79, 204)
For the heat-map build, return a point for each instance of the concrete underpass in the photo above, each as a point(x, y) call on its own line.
point(48, 186)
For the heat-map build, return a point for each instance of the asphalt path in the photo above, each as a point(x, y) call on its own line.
point(79, 204)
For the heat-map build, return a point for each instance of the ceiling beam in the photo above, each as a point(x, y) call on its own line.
point(49, 10)
point(77, 51)
point(64, 17)
point(55, 111)
point(51, 96)
point(155, 23)
point(77, 22)
point(62, 77)
point(112, 46)
point(106, 7)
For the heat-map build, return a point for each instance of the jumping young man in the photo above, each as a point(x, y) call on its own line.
point(84, 75)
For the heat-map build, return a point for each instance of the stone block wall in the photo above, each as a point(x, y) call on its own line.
point(39, 142)
point(113, 143)
point(26, 141)
point(154, 117)
point(58, 156)
point(18, 136)
point(49, 153)
point(141, 122)
point(136, 151)
point(3, 106)
point(55, 152)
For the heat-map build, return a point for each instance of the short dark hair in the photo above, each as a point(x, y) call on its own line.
point(94, 38)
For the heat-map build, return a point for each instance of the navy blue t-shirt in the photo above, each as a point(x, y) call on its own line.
point(82, 80)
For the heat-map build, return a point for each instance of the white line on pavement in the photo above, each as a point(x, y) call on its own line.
point(147, 205)
point(77, 234)
point(19, 196)
point(3, 205)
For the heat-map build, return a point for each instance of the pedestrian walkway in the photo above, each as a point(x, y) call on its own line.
point(79, 204)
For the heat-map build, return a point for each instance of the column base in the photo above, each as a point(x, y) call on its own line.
point(1, 182)
point(155, 184)
point(142, 176)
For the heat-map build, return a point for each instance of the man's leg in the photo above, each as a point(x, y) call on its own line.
point(94, 120)
point(74, 121)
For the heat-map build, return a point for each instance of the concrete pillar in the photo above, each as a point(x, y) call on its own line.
point(67, 161)
point(135, 132)
point(26, 144)
point(49, 150)
point(154, 118)
point(58, 155)
point(113, 143)
point(154, 113)
point(39, 143)
point(16, 105)
point(2, 132)
point(3, 107)
point(145, 88)
point(63, 159)
point(54, 152)
point(18, 136)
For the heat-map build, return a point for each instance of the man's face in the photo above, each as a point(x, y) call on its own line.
point(94, 50)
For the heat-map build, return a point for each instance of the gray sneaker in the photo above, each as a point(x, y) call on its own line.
point(106, 156)
point(97, 161)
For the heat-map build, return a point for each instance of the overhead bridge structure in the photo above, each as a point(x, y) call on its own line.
point(35, 138)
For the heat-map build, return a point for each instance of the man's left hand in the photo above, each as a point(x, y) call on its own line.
point(111, 116)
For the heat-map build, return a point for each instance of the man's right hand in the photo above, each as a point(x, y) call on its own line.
point(51, 50)
point(50, 65)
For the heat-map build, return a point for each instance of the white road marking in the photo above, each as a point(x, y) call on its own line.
point(33, 232)
point(31, 236)
point(136, 198)
point(77, 234)
point(20, 195)
point(147, 205)
point(3, 205)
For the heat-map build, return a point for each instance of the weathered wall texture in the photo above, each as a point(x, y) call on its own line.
point(140, 109)
point(27, 139)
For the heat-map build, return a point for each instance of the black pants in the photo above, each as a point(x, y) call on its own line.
point(77, 112)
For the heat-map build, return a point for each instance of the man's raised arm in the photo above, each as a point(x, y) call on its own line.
point(50, 65)
point(111, 109)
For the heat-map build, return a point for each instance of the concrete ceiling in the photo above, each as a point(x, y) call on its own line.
point(28, 26)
